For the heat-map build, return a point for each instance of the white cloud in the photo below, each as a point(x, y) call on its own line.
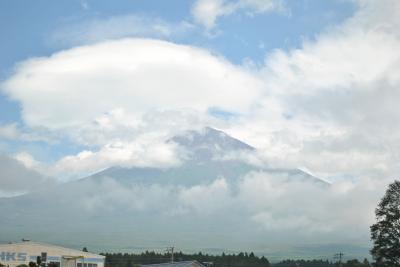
point(144, 151)
point(331, 105)
point(27, 160)
point(260, 204)
point(313, 107)
point(116, 27)
point(114, 196)
point(72, 87)
point(9, 131)
point(278, 203)
point(110, 96)
point(336, 62)
point(12, 131)
point(206, 199)
point(16, 178)
point(206, 12)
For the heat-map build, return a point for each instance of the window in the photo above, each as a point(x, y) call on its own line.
point(79, 264)
point(54, 264)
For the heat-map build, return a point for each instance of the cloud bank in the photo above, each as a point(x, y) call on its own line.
point(17, 178)
point(261, 212)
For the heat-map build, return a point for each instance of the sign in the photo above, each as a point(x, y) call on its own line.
point(13, 256)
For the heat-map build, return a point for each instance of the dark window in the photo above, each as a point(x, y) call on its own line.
point(54, 264)
point(79, 264)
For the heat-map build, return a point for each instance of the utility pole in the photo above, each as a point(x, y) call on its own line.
point(171, 249)
point(339, 256)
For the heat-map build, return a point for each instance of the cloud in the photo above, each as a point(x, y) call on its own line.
point(262, 211)
point(278, 203)
point(132, 198)
point(303, 108)
point(9, 131)
point(165, 200)
point(16, 179)
point(206, 199)
point(117, 27)
point(125, 92)
point(12, 131)
point(333, 100)
point(72, 87)
point(27, 160)
point(206, 12)
point(260, 205)
point(144, 151)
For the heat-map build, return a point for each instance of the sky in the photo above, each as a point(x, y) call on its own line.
point(236, 37)
point(86, 85)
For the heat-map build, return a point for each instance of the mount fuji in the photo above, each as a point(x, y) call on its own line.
point(198, 205)
point(208, 156)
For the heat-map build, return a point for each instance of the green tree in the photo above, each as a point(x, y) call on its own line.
point(38, 260)
point(85, 249)
point(385, 233)
point(366, 263)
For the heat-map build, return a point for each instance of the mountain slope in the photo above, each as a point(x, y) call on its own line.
point(200, 204)
point(205, 150)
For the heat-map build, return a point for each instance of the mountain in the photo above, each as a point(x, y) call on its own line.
point(200, 167)
point(205, 162)
point(196, 205)
point(205, 144)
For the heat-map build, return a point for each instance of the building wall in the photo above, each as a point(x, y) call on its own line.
point(16, 254)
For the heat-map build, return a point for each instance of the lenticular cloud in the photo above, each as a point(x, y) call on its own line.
point(75, 86)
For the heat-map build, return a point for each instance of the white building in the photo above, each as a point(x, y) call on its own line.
point(15, 254)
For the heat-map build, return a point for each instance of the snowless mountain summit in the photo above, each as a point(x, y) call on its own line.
point(210, 137)
point(208, 142)
point(201, 202)
point(206, 150)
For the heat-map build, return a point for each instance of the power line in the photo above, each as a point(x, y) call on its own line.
point(339, 256)
point(171, 249)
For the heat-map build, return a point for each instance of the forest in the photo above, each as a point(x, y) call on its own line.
point(223, 260)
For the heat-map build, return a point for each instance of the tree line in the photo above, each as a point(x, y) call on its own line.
point(321, 263)
point(151, 257)
point(223, 260)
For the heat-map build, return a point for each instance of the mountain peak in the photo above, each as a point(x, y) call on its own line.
point(208, 142)
point(210, 138)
